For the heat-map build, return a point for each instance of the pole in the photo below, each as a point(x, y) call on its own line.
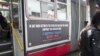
point(79, 19)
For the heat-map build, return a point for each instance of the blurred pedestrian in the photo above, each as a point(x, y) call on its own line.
point(90, 38)
point(5, 27)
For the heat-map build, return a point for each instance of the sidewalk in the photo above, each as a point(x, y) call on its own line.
point(76, 53)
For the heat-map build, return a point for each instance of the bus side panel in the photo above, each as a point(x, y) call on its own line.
point(55, 51)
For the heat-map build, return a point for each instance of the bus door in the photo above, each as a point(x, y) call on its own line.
point(6, 45)
point(46, 27)
point(11, 30)
point(17, 28)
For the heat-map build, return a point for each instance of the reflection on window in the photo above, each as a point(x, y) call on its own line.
point(15, 16)
point(61, 12)
point(33, 8)
point(47, 10)
point(64, 1)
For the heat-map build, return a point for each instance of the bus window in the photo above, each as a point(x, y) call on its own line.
point(33, 8)
point(47, 10)
point(15, 17)
point(61, 12)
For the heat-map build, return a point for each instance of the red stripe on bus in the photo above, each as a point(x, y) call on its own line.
point(55, 51)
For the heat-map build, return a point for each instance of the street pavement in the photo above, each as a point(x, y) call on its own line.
point(76, 53)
